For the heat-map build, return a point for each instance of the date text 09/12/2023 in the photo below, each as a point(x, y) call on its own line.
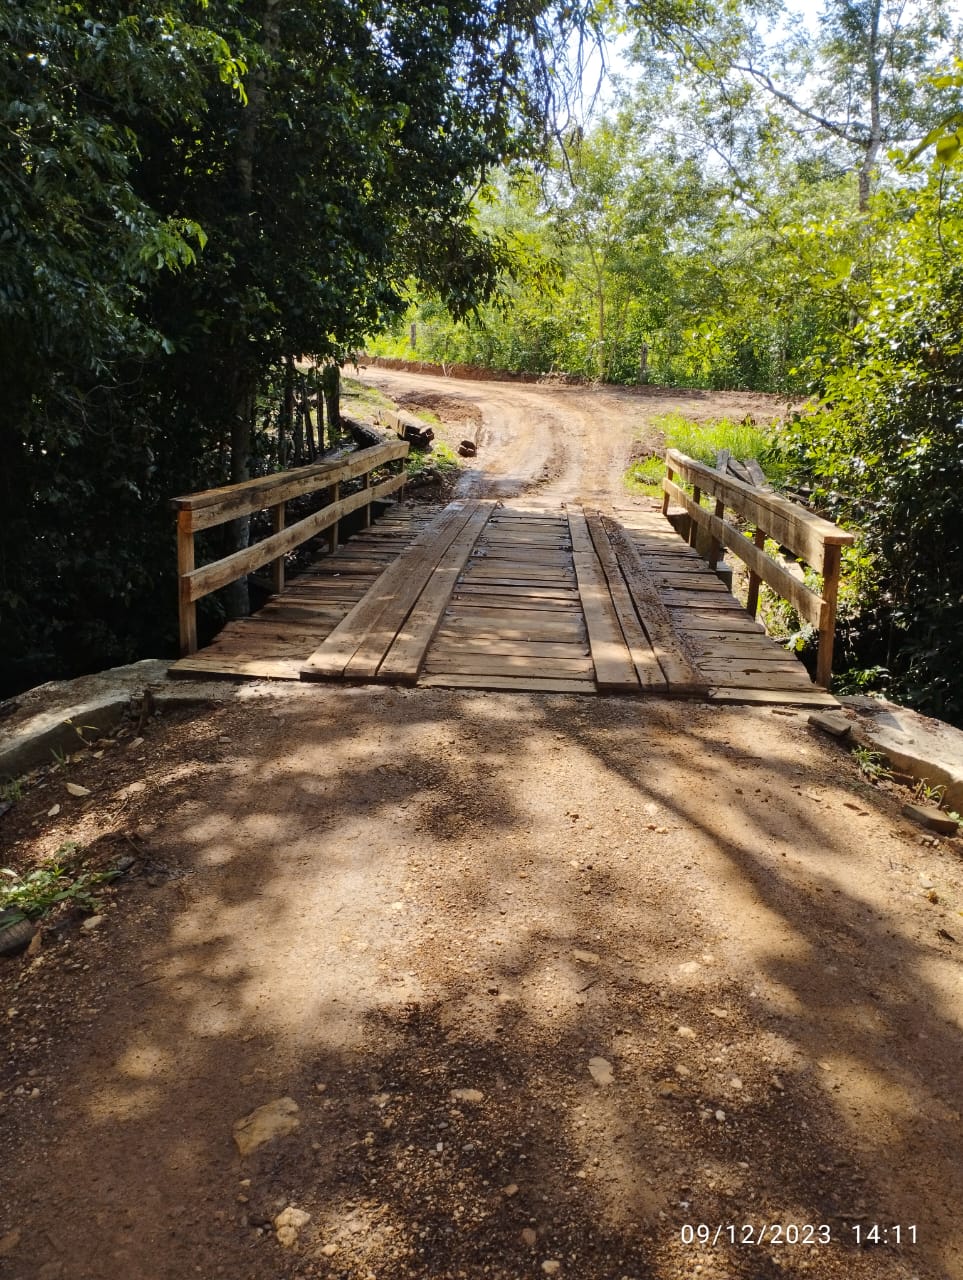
point(860, 1234)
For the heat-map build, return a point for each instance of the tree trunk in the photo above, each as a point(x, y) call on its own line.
point(875, 140)
point(331, 382)
point(237, 603)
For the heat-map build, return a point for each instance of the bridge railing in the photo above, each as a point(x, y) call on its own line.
point(812, 539)
point(212, 507)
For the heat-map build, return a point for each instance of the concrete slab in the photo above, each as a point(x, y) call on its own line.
point(57, 715)
point(927, 749)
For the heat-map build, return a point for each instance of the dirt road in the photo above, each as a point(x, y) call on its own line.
point(607, 989)
point(556, 441)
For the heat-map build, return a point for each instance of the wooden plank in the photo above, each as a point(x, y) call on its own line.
point(414, 565)
point(215, 506)
point(791, 525)
point(734, 621)
point(507, 684)
point(775, 697)
point(201, 667)
point(214, 576)
point(404, 658)
point(646, 663)
point(674, 657)
point(509, 664)
point(448, 643)
point(527, 591)
point(614, 668)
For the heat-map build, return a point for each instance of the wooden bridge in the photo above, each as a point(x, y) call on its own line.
point(520, 596)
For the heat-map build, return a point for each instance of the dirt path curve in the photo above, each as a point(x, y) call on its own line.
point(555, 441)
point(607, 989)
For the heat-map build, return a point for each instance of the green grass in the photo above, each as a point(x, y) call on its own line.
point(439, 457)
point(703, 440)
point(645, 477)
point(361, 393)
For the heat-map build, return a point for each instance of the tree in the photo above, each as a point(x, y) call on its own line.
point(193, 194)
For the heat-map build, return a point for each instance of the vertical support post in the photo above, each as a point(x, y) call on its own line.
point(277, 566)
point(752, 603)
point(366, 510)
point(334, 531)
point(669, 475)
point(827, 615)
point(402, 464)
point(693, 527)
point(715, 546)
point(186, 607)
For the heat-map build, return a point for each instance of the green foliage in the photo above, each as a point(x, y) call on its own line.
point(53, 882)
point(884, 453)
point(872, 764)
point(189, 196)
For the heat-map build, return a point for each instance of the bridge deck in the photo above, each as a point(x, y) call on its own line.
point(524, 597)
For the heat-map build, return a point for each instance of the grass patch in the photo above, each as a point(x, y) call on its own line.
point(645, 477)
point(703, 440)
point(438, 458)
point(361, 393)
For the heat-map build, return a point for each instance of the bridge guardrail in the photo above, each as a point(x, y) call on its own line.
point(212, 507)
point(817, 541)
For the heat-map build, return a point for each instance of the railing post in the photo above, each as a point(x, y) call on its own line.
point(366, 513)
point(693, 527)
point(827, 618)
point(715, 546)
point(186, 608)
point(669, 475)
point(752, 600)
point(278, 513)
point(335, 528)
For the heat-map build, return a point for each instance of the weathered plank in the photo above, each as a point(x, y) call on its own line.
point(508, 684)
point(675, 659)
point(644, 659)
point(614, 668)
point(403, 579)
point(404, 658)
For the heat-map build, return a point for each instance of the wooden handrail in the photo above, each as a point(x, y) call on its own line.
point(205, 510)
point(816, 541)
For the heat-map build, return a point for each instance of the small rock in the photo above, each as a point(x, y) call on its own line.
point(467, 1095)
point(551, 1267)
point(92, 923)
point(690, 966)
point(274, 1120)
point(926, 882)
point(53, 811)
point(292, 1217)
point(9, 1242)
point(529, 1237)
point(288, 1225)
point(931, 818)
point(721, 1116)
point(510, 1190)
point(75, 789)
point(585, 957)
point(831, 722)
point(133, 789)
point(329, 1250)
point(668, 1089)
point(686, 1033)
point(601, 1071)
point(135, 742)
